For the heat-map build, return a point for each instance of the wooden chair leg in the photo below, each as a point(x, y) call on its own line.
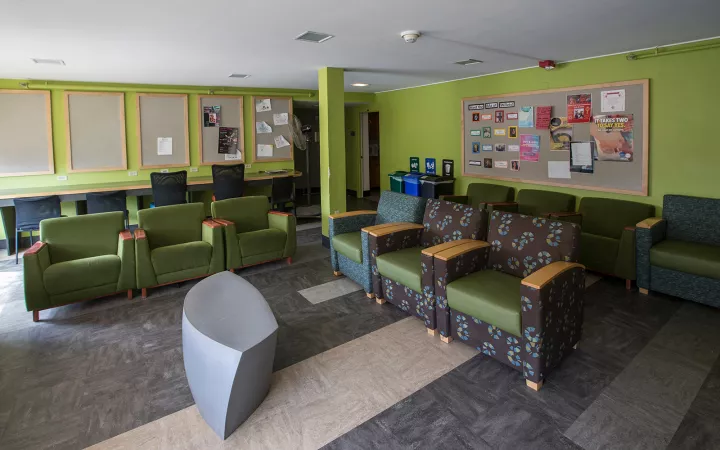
point(369, 295)
point(644, 291)
point(380, 301)
point(446, 339)
point(337, 273)
point(289, 261)
point(533, 385)
point(143, 292)
point(432, 332)
point(36, 316)
point(628, 284)
point(130, 294)
point(231, 270)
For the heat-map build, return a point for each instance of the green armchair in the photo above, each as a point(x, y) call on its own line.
point(482, 195)
point(536, 203)
point(78, 258)
point(176, 243)
point(253, 233)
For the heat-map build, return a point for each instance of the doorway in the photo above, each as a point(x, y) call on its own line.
point(370, 143)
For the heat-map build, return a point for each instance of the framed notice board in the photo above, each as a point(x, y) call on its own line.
point(95, 131)
point(26, 146)
point(527, 137)
point(214, 112)
point(270, 120)
point(162, 130)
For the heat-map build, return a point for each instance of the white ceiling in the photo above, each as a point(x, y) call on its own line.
point(202, 42)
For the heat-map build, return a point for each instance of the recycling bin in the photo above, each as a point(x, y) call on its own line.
point(396, 181)
point(412, 183)
point(433, 186)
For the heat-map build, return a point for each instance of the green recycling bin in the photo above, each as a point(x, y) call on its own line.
point(396, 181)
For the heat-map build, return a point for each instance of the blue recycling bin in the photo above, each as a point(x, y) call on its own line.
point(412, 183)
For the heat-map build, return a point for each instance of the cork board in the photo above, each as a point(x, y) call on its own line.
point(231, 115)
point(162, 116)
point(279, 105)
point(26, 146)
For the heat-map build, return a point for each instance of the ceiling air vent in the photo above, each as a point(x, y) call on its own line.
point(55, 62)
point(314, 36)
point(468, 62)
point(238, 75)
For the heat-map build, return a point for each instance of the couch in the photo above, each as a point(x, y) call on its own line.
point(537, 203)
point(78, 258)
point(518, 297)
point(679, 254)
point(349, 254)
point(253, 233)
point(176, 243)
point(402, 255)
point(479, 195)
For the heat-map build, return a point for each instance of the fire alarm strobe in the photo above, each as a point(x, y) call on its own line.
point(547, 64)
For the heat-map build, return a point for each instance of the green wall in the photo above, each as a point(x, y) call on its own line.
point(684, 156)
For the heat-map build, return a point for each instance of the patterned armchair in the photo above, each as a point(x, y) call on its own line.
point(349, 252)
point(483, 195)
point(518, 298)
point(402, 255)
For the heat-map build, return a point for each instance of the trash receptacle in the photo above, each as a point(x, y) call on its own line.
point(433, 186)
point(396, 181)
point(412, 183)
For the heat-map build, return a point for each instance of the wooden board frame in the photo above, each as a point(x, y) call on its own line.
point(645, 133)
point(241, 126)
point(48, 118)
point(68, 137)
point(254, 130)
point(139, 132)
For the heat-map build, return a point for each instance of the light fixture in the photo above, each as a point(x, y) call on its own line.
point(360, 84)
point(54, 62)
point(238, 75)
point(468, 62)
point(314, 37)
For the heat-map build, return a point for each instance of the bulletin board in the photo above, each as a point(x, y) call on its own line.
point(162, 116)
point(620, 163)
point(26, 146)
point(230, 115)
point(279, 105)
point(95, 131)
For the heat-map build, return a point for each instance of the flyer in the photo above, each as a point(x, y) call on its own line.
point(486, 133)
point(499, 116)
point(613, 135)
point(513, 148)
point(263, 105)
point(514, 165)
point(499, 132)
point(475, 163)
point(476, 147)
point(525, 117)
point(475, 133)
point(612, 101)
point(487, 147)
point(501, 164)
point(228, 140)
point(211, 116)
point(579, 108)
point(511, 116)
point(513, 132)
point(476, 117)
point(529, 147)
point(543, 114)
point(486, 116)
point(499, 147)
point(561, 133)
point(488, 163)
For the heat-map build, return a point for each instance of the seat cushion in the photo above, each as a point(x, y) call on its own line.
point(174, 258)
point(350, 245)
point(260, 242)
point(689, 257)
point(78, 274)
point(598, 253)
point(488, 295)
point(402, 266)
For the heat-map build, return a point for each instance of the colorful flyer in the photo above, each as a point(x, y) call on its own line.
point(525, 117)
point(499, 116)
point(561, 133)
point(613, 135)
point(476, 117)
point(476, 147)
point(488, 163)
point(501, 164)
point(499, 147)
point(211, 116)
point(487, 147)
point(514, 165)
point(430, 166)
point(486, 132)
point(511, 116)
point(475, 133)
point(499, 132)
point(513, 132)
point(513, 148)
point(530, 147)
point(579, 108)
point(543, 114)
point(486, 117)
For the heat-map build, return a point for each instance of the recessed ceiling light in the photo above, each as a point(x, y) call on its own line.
point(238, 75)
point(314, 37)
point(55, 62)
point(468, 62)
point(360, 84)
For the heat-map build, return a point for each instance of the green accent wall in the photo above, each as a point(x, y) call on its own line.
point(684, 157)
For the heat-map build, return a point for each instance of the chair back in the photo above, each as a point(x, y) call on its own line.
point(101, 202)
point(692, 219)
point(248, 213)
point(481, 193)
point(169, 188)
point(520, 245)
point(171, 225)
point(77, 237)
point(283, 190)
point(30, 211)
point(447, 221)
point(534, 202)
point(397, 207)
point(608, 217)
point(228, 181)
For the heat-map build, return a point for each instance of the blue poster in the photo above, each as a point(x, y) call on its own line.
point(430, 166)
point(526, 118)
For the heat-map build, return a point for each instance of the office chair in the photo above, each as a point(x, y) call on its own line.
point(101, 202)
point(228, 181)
point(283, 191)
point(28, 214)
point(169, 188)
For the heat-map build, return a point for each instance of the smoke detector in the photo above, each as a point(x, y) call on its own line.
point(410, 36)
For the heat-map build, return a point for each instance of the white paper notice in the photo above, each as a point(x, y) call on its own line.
point(513, 148)
point(558, 169)
point(612, 101)
point(233, 156)
point(581, 153)
point(164, 146)
point(280, 141)
point(280, 119)
point(263, 105)
point(501, 164)
point(264, 150)
point(262, 127)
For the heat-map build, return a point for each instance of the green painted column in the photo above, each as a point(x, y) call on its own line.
point(331, 85)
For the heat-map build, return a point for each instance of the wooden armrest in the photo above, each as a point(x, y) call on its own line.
point(630, 228)
point(126, 235)
point(351, 214)
point(649, 222)
point(36, 247)
point(279, 213)
point(378, 227)
point(501, 203)
point(140, 234)
point(400, 226)
point(211, 223)
point(224, 222)
point(545, 275)
point(460, 249)
point(430, 251)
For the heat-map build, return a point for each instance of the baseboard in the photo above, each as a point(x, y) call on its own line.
point(351, 192)
point(325, 241)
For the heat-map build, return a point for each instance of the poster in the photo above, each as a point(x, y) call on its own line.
point(513, 132)
point(475, 163)
point(513, 148)
point(543, 114)
point(430, 166)
point(487, 147)
point(448, 167)
point(499, 147)
point(561, 133)
point(525, 117)
point(613, 135)
point(529, 147)
point(476, 117)
point(228, 140)
point(262, 128)
point(475, 133)
point(280, 119)
point(501, 164)
point(581, 157)
point(511, 116)
point(499, 116)
point(211, 116)
point(499, 132)
point(263, 105)
point(476, 147)
point(486, 116)
point(486, 134)
point(281, 142)
point(164, 146)
point(264, 151)
point(579, 108)
point(514, 165)
point(559, 169)
point(488, 163)
point(414, 164)
point(612, 101)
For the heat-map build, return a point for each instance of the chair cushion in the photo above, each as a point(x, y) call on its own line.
point(174, 258)
point(84, 273)
point(261, 241)
point(598, 253)
point(248, 213)
point(396, 207)
point(402, 266)
point(533, 202)
point(488, 295)
point(608, 217)
point(689, 257)
point(350, 245)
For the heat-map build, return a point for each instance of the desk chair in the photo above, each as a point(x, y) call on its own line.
point(101, 202)
point(228, 181)
point(283, 191)
point(169, 188)
point(29, 212)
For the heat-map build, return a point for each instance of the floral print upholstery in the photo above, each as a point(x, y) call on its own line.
point(447, 221)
